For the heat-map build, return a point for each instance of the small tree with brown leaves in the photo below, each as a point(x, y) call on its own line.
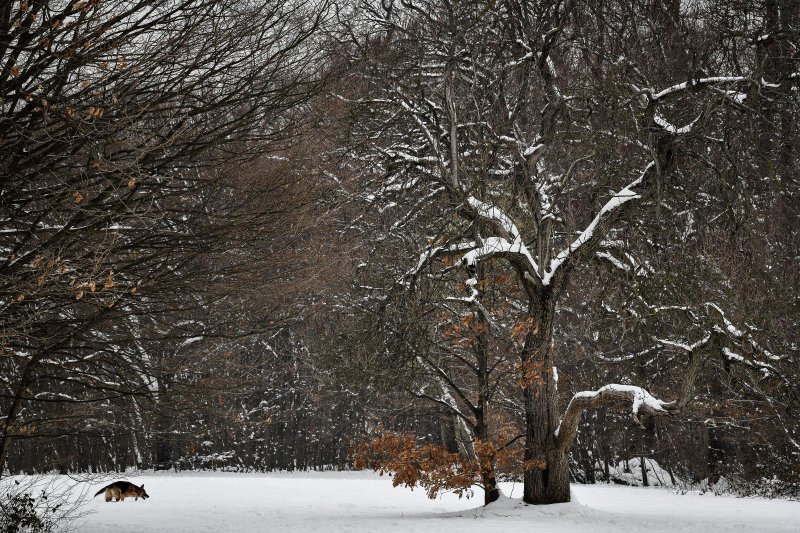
point(435, 468)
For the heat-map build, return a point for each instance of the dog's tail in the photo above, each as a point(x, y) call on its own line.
point(101, 491)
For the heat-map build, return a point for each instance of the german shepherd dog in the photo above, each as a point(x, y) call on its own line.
point(119, 490)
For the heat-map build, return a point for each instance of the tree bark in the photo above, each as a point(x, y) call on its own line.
point(546, 477)
point(491, 493)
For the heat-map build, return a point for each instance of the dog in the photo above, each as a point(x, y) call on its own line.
point(119, 490)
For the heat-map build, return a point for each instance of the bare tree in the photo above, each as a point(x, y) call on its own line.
point(496, 144)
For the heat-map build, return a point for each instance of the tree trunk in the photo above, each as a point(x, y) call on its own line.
point(549, 484)
point(546, 478)
point(643, 466)
point(491, 493)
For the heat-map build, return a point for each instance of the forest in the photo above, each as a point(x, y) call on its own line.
point(458, 241)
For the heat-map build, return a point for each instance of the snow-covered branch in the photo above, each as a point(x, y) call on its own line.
point(493, 246)
point(497, 216)
point(597, 229)
point(680, 87)
point(739, 336)
point(509, 242)
point(448, 388)
point(435, 252)
point(641, 402)
point(673, 129)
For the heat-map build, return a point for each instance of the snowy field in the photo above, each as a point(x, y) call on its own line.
point(363, 501)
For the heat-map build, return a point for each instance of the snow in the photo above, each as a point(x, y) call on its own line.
point(613, 260)
point(671, 128)
point(637, 395)
point(622, 197)
point(363, 501)
point(630, 473)
point(733, 330)
point(640, 397)
point(736, 96)
point(702, 81)
point(765, 368)
point(532, 150)
point(498, 244)
point(471, 283)
point(431, 253)
point(493, 213)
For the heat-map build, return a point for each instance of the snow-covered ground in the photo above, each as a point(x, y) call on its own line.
point(363, 501)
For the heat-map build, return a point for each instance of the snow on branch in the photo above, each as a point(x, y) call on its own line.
point(739, 335)
point(495, 215)
point(641, 402)
point(509, 242)
point(448, 389)
point(614, 261)
point(765, 368)
point(729, 327)
point(611, 207)
point(472, 284)
point(497, 246)
point(716, 340)
point(432, 253)
point(680, 87)
point(671, 128)
point(689, 348)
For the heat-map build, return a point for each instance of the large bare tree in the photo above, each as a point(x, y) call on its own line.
point(531, 137)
